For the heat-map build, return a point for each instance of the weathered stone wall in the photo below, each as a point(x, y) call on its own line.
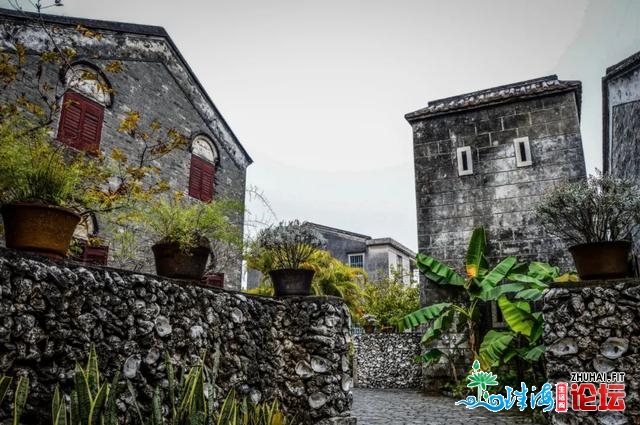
point(386, 360)
point(154, 81)
point(498, 195)
point(294, 349)
point(621, 121)
point(594, 328)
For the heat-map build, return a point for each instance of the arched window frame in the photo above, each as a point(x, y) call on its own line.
point(88, 93)
point(204, 159)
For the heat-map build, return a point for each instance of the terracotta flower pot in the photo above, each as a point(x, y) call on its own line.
point(97, 255)
point(287, 282)
point(214, 279)
point(601, 260)
point(38, 228)
point(173, 263)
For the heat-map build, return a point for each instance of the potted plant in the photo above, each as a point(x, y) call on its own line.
point(39, 187)
point(598, 218)
point(290, 244)
point(185, 230)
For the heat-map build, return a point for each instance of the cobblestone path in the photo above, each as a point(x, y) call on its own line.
point(408, 407)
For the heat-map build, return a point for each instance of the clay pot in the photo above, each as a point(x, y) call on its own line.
point(38, 228)
point(602, 260)
point(288, 282)
point(173, 263)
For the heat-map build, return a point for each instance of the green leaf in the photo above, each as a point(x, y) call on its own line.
point(529, 294)
point(517, 315)
point(424, 315)
point(441, 324)
point(92, 371)
point(494, 292)
point(5, 381)
point(431, 356)
point(543, 271)
point(156, 408)
point(532, 281)
point(20, 398)
point(499, 272)
point(97, 405)
point(494, 345)
point(535, 353)
point(110, 407)
point(475, 252)
point(437, 271)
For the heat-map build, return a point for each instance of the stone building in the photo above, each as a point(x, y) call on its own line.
point(155, 80)
point(485, 159)
point(380, 258)
point(621, 121)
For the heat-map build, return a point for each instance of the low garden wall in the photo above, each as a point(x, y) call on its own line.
point(594, 328)
point(294, 349)
point(387, 360)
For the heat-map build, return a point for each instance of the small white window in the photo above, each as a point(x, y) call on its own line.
point(465, 162)
point(356, 260)
point(523, 152)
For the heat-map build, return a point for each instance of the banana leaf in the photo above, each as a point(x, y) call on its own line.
point(532, 281)
point(431, 356)
point(499, 272)
point(438, 272)
point(493, 293)
point(494, 345)
point(441, 324)
point(517, 315)
point(534, 354)
point(475, 252)
point(529, 294)
point(424, 315)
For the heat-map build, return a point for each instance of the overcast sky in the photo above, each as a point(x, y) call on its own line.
point(316, 91)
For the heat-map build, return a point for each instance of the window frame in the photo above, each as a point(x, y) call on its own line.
point(520, 144)
point(87, 108)
point(202, 170)
point(355, 254)
point(462, 154)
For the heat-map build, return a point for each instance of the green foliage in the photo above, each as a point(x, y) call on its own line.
point(20, 395)
point(389, 300)
point(602, 208)
point(192, 224)
point(332, 277)
point(33, 169)
point(507, 279)
point(92, 402)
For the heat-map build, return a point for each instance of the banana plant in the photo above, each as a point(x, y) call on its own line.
point(523, 335)
point(480, 284)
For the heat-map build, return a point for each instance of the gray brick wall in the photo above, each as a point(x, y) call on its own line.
point(621, 121)
point(499, 196)
point(156, 82)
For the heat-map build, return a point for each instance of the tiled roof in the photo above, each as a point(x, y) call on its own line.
point(501, 94)
point(623, 66)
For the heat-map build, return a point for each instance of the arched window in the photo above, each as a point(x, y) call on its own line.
point(82, 111)
point(203, 169)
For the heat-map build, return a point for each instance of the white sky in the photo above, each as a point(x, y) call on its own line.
point(316, 91)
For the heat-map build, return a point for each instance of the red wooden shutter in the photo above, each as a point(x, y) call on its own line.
point(201, 179)
point(81, 122)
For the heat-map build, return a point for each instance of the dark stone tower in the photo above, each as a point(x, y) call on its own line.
point(485, 159)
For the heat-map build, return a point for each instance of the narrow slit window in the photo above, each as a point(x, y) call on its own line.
point(465, 162)
point(523, 152)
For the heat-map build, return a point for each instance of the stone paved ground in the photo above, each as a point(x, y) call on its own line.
point(410, 407)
